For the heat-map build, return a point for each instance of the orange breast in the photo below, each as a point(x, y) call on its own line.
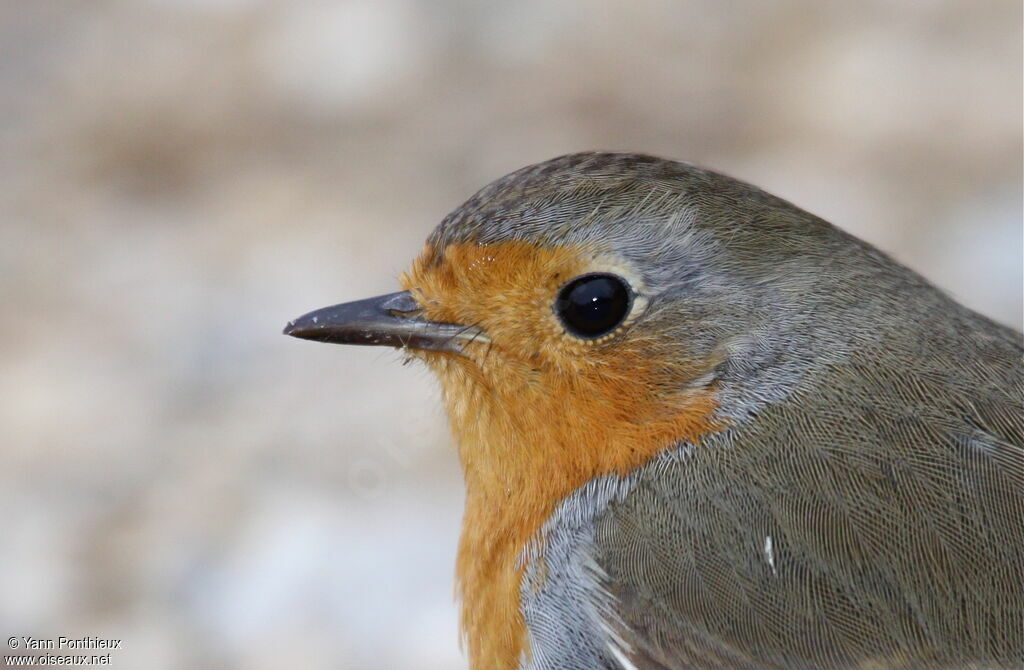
point(537, 414)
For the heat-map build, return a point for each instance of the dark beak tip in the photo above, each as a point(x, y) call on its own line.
point(303, 329)
point(306, 331)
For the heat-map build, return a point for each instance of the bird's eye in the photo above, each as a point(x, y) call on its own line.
point(593, 305)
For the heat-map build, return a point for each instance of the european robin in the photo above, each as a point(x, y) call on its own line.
point(702, 428)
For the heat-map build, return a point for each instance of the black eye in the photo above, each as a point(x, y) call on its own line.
point(593, 305)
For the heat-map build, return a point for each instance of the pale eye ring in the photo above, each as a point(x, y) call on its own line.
point(593, 305)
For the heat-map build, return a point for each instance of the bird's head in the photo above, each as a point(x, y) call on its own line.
point(601, 299)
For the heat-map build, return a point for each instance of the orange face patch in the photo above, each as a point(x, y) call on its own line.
point(537, 412)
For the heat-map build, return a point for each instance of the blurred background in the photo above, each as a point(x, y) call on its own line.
point(178, 178)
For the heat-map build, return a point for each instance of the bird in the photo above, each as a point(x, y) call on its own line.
point(701, 427)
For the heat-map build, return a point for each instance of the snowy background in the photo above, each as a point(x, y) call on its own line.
point(180, 178)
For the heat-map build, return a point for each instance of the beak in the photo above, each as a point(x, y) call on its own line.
point(392, 320)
